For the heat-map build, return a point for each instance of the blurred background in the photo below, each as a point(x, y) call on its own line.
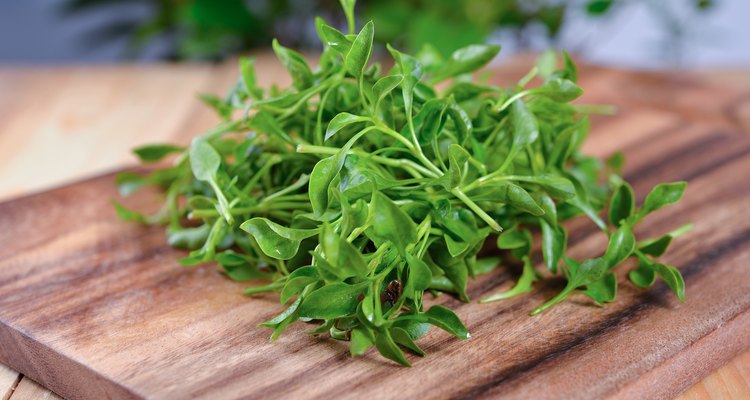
point(626, 33)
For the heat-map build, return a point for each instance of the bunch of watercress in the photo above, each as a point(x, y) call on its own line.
point(360, 188)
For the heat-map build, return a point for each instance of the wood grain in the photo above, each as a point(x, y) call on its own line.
point(30, 390)
point(704, 146)
point(8, 381)
point(730, 382)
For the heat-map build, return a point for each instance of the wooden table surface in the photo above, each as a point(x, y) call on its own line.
point(62, 124)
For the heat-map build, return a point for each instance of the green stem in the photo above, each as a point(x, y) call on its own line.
point(510, 100)
point(303, 179)
point(223, 206)
point(319, 126)
point(478, 210)
point(282, 268)
point(402, 163)
point(390, 132)
point(273, 160)
point(252, 210)
point(557, 299)
point(414, 147)
point(265, 288)
point(528, 77)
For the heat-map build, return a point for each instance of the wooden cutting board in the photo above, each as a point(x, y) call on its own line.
point(92, 307)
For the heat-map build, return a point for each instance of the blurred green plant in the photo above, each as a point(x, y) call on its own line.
point(197, 29)
point(215, 29)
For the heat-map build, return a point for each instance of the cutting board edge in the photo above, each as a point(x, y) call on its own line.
point(709, 353)
point(19, 351)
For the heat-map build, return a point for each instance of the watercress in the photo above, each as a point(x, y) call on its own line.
point(361, 187)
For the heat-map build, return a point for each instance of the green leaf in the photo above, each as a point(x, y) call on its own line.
point(361, 340)
point(264, 122)
point(548, 206)
point(643, 276)
point(621, 245)
point(554, 242)
point(603, 290)
point(663, 195)
point(524, 284)
point(461, 121)
point(671, 275)
point(155, 152)
point(294, 286)
point(419, 277)
point(204, 160)
point(384, 86)
point(457, 158)
point(622, 204)
point(413, 327)
point(341, 121)
point(561, 90)
point(237, 267)
point(463, 91)
point(249, 81)
point(429, 121)
point(546, 63)
point(334, 300)
point(590, 271)
point(508, 193)
point(358, 55)
point(391, 223)
point(616, 162)
point(324, 173)
point(129, 183)
point(570, 71)
point(514, 239)
point(127, 214)
point(402, 338)
point(187, 238)
point(205, 163)
point(411, 70)
point(557, 186)
point(276, 241)
point(320, 180)
point(388, 348)
point(219, 105)
point(447, 320)
point(335, 39)
point(525, 129)
point(457, 273)
point(465, 60)
point(342, 254)
point(295, 64)
point(658, 246)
